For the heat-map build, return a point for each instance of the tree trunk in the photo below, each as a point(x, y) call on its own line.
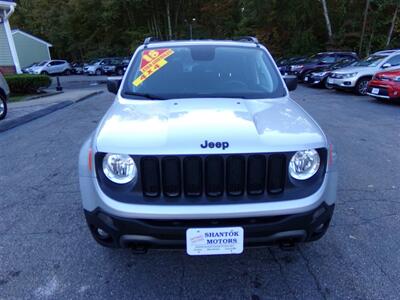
point(176, 18)
point(169, 21)
point(389, 38)
point(370, 42)
point(364, 26)
point(327, 20)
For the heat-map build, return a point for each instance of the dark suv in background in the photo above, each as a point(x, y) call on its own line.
point(116, 66)
point(122, 66)
point(285, 63)
point(320, 75)
point(323, 59)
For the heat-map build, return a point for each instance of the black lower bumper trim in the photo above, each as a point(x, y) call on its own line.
point(142, 233)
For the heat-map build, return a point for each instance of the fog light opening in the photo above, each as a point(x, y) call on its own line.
point(320, 227)
point(102, 234)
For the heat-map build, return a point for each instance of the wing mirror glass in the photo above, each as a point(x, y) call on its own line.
point(290, 81)
point(386, 65)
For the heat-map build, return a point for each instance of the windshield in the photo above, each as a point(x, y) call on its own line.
point(344, 63)
point(43, 63)
point(371, 61)
point(94, 61)
point(315, 58)
point(203, 71)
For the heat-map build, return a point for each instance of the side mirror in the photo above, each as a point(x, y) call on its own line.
point(290, 81)
point(113, 85)
point(386, 65)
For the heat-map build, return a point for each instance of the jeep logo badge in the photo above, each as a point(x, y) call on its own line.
point(211, 145)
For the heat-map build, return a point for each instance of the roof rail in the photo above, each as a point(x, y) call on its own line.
point(148, 40)
point(251, 39)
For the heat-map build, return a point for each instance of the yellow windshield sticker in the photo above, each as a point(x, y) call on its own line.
point(152, 61)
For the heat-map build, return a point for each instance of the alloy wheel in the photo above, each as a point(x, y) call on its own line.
point(362, 87)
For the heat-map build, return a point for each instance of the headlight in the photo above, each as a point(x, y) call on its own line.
point(296, 67)
point(349, 75)
point(119, 168)
point(304, 164)
point(320, 74)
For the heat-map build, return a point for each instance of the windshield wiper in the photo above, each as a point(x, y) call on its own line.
point(145, 95)
point(206, 95)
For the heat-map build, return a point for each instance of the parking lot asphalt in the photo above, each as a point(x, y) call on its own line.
point(46, 251)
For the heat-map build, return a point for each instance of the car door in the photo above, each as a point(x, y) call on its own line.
point(51, 67)
point(60, 66)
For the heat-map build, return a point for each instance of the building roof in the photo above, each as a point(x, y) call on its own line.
point(14, 31)
point(7, 3)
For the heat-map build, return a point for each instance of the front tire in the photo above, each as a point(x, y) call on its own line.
point(44, 73)
point(361, 86)
point(120, 72)
point(327, 85)
point(98, 72)
point(304, 75)
point(3, 107)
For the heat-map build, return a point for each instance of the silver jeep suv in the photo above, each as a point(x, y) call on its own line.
point(203, 149)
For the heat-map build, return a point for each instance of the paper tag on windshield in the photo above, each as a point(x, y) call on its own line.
point(152, 61)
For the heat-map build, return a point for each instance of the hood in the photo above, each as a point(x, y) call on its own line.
point(388, 74)
point(186, 126)
point(366, 70)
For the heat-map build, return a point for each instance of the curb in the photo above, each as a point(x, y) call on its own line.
point(43, 96)
point(9, 124)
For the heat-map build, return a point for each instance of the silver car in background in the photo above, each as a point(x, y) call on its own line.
point(203, 149)
point(49, 67)
point(356, 77)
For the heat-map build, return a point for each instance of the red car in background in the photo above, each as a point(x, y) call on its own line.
point(385, 85)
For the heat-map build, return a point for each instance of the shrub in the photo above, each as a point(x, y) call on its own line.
point(27, 83)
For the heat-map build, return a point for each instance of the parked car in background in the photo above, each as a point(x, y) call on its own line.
point(323, 59)
point(110, 65)
point(319, 76)
point(385, 85)
point(77, 68)
point(28, 69)
point(356, 78)
point(49, 67)
point(95, 67)
point(123, 65)
point(284, 64)
point(4, 94)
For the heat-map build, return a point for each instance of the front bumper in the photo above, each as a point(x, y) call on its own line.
point(342, 83)
point(314, 80)
point(384, 90)
point(259, 231)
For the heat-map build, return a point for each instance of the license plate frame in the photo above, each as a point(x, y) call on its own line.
point(214, 241)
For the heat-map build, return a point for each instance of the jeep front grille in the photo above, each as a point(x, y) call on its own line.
point(211, 179)
point(213, 176)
